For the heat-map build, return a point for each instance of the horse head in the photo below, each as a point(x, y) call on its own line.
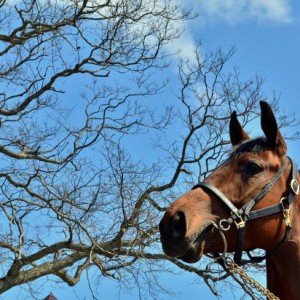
point(246, 198)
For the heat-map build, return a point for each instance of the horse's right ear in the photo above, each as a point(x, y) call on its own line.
point(269, 126)
point(237, 133)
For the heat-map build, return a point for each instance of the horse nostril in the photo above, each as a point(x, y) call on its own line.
point(178, 225)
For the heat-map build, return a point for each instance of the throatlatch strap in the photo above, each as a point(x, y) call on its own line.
point(239, 245)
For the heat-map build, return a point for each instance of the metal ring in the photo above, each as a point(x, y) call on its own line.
point(282, 201)
point(222, 227)
point(223, 255)
point(295, 186)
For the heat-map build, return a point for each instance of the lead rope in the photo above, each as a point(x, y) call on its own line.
point(233, 268)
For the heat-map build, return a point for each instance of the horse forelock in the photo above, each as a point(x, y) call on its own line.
point(254, 145)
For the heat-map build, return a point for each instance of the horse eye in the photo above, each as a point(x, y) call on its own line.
point(252, 167)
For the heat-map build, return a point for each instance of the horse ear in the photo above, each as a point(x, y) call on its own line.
point(237, 133)
point(269, 126)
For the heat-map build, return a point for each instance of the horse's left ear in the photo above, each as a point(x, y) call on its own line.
point(236, 131)
point(269, 126)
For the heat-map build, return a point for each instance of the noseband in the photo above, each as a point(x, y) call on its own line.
point(239, 217)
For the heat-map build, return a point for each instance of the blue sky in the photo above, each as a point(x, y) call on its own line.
point(267, 41)
point(266, 35)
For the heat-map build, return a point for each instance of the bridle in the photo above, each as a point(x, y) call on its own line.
point(239, 217)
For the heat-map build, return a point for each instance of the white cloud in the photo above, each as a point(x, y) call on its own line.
point(278, 11)
point(239, 11)
point(185, 45)
point(229, 11)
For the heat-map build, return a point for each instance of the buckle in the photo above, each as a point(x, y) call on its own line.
point(237, 219)
point(286, 212)
point(240, 223)
point(286, 217)
point(295, 186)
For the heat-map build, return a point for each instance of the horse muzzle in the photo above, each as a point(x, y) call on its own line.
point(180, 240)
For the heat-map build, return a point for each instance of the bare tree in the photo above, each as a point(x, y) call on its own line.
point(77, 82)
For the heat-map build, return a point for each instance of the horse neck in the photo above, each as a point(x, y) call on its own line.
point(283, 266)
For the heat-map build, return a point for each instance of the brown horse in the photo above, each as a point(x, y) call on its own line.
point(252, 199)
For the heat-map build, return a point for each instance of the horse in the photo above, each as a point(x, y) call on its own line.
point(250, 201)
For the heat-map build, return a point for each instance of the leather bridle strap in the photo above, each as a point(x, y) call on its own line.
point(240, 216)
point(218, 193)
point(279, 207)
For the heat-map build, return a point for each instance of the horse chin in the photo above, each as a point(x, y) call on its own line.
point(196, 249)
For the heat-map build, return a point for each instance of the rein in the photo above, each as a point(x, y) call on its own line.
point(239, 217)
